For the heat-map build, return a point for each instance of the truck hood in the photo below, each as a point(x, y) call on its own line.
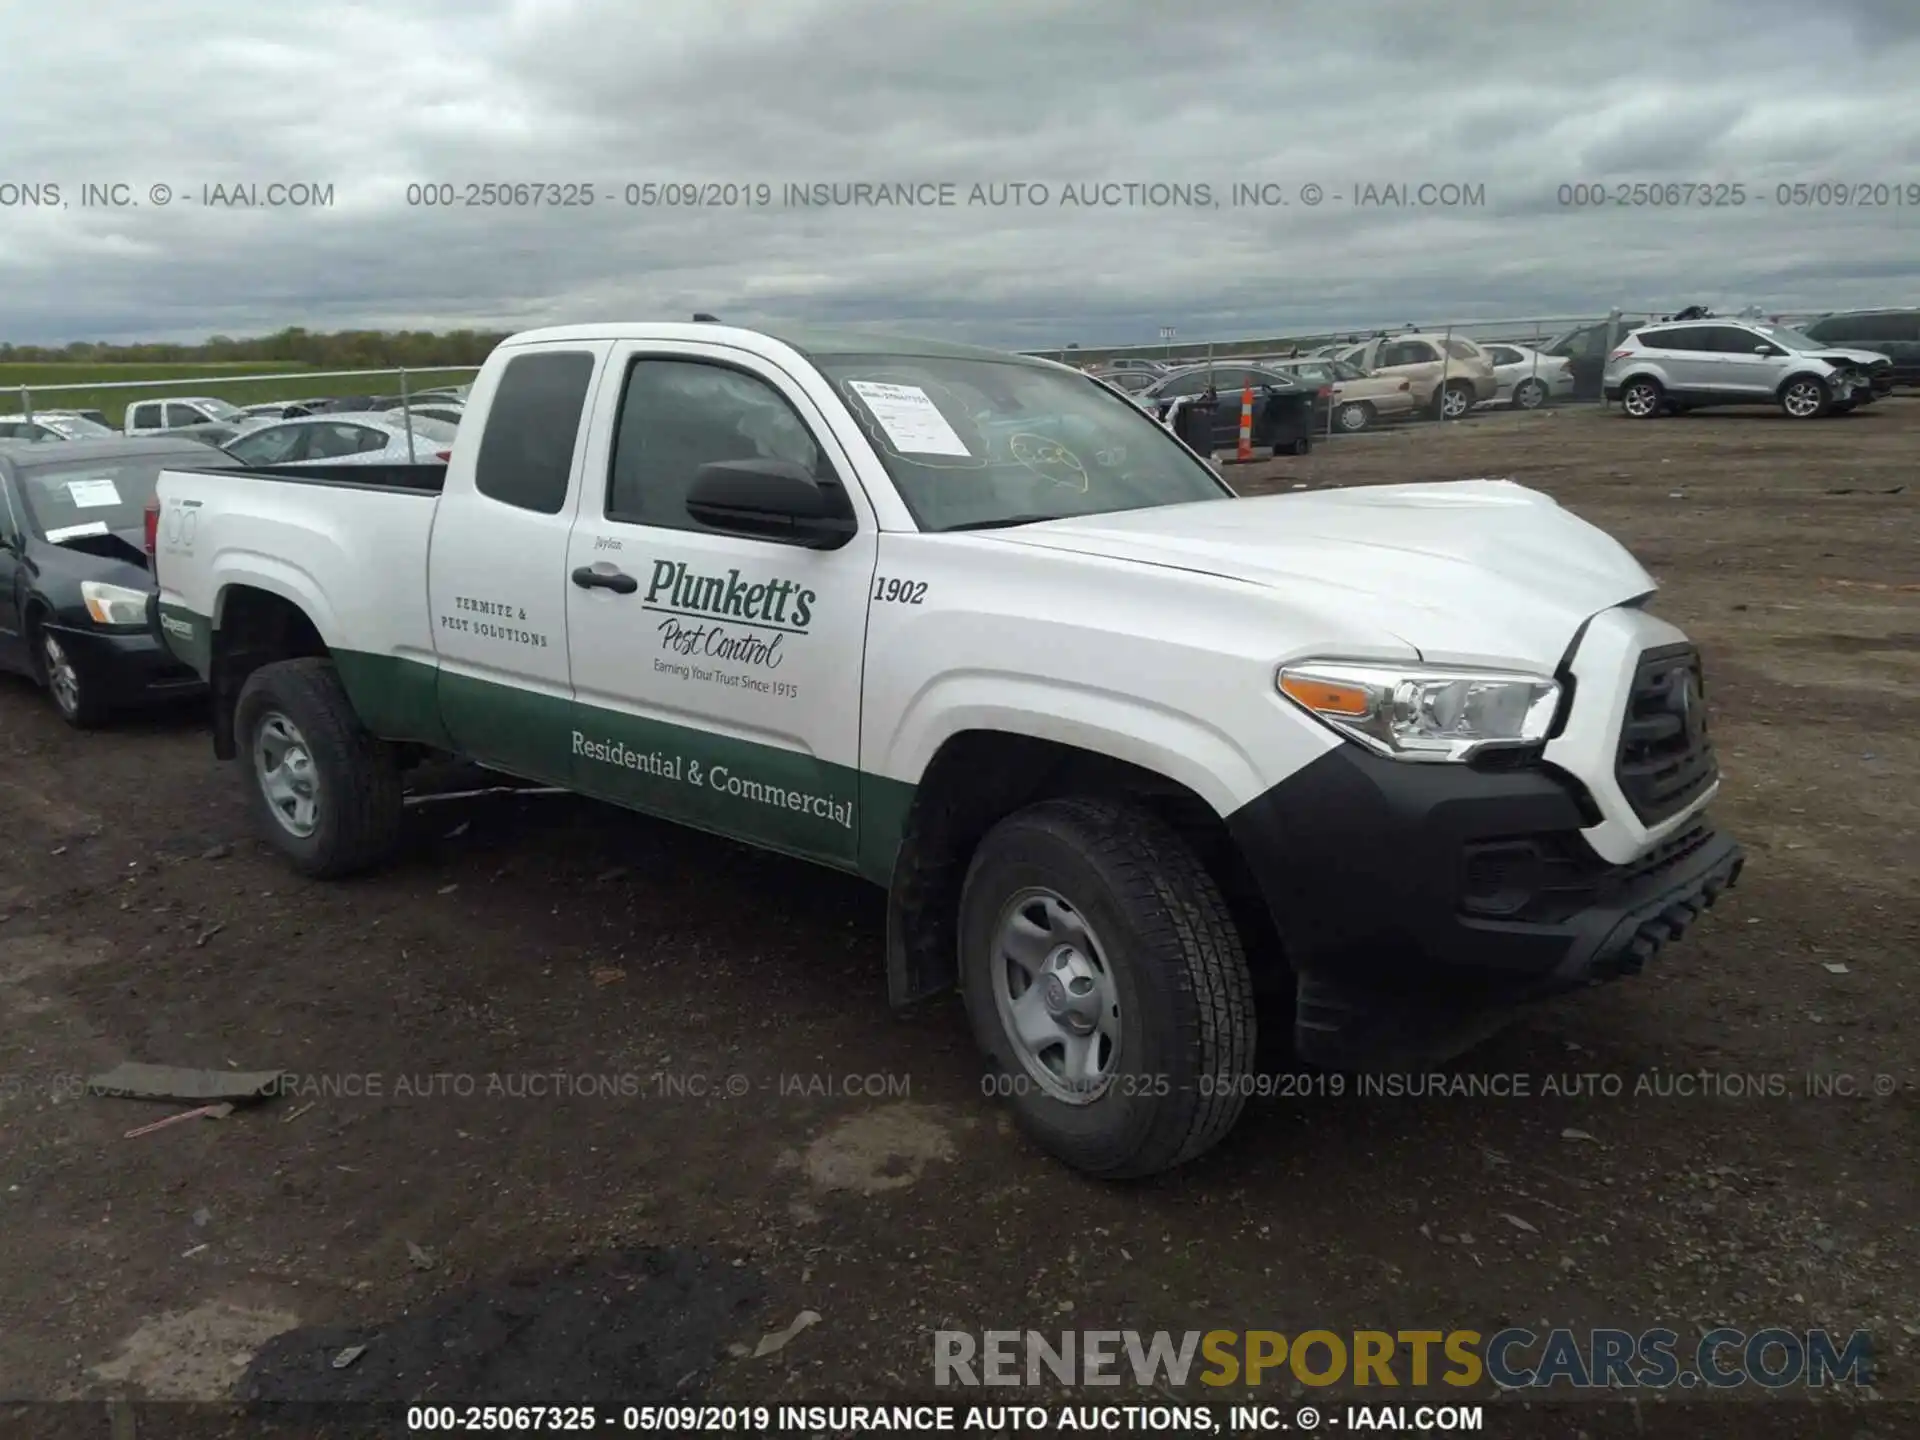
point(1467, 571)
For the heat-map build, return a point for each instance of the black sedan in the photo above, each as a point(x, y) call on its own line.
point(74, 578)
point(1286, 414)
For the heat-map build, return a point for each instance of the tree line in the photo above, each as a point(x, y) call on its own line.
point(339, 350)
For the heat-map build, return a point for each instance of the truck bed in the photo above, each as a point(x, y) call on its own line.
point(346, 544)
point(404, 479)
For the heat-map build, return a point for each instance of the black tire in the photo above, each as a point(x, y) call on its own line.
point(1529, 394)
point(1841, 407)
point(1187, 1029)
point(1303, 445)
point(357, 777)
point(76, 695)
point(1641, 398)
point(1818, 401)
point(1353, 417)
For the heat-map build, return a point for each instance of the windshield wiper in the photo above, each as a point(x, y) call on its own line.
point(1004, 522)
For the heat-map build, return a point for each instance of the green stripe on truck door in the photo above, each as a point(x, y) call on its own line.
point(762, 794)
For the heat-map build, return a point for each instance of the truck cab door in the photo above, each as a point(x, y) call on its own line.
point(496, 569)
point(716, 676)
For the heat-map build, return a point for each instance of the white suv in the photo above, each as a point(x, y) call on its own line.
point(1677, 366)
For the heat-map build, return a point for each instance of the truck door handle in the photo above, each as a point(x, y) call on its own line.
point(594, 577)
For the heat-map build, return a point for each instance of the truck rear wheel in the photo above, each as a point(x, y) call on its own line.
point(1107, 986)
point(324, 793)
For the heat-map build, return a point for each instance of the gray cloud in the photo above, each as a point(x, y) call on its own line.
point(1517, 100)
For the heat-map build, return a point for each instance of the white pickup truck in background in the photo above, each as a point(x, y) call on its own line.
point(1143, 765)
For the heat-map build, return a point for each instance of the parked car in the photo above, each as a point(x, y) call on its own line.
point(1359, 399)
point(1668, 369)
point(445, 414)
point(346, 439)
point(52, 425)
point(1286, 413)
point(277, 410)
point(1131, 381)
point(1585, 349)
point(970, 626)
point(74, 582)
point(1528, 379)
point(1892, 333)
point(1450, 373)
point(154, 417)
point(1137, 363)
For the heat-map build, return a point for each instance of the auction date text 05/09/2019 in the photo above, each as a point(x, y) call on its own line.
point(945, 195)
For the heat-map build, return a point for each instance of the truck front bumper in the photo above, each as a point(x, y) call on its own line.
point(1420, 904)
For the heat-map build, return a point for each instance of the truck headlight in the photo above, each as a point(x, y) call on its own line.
point(1416, 712)
point(114, 604)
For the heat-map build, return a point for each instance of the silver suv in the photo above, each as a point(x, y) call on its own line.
point(1677, 366)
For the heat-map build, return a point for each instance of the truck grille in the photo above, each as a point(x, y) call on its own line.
point(1666, 756)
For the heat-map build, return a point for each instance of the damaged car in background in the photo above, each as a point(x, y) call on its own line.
point(74, 580)
point(1671, 368)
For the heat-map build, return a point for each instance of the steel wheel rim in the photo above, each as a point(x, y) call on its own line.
point(283, 767)
point(1640, 400)
point(63, 681)
point(1056, 996)
point(1803, 399)
point(1353, 417)
point(1530, 394)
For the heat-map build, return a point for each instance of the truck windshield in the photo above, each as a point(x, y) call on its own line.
point(977, 443)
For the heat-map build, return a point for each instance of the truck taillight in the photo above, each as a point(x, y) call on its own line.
point(1619, 355)
point(152, 525)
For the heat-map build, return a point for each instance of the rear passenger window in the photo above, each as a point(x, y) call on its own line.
point(526, 454)
point(1407, 352)
point(678, 415)
point(146, 417)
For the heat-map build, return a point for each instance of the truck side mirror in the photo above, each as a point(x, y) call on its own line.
point(772, 499)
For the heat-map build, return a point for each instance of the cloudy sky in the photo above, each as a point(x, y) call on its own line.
point(1510, 101)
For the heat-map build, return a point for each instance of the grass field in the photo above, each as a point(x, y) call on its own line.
point(38, 378)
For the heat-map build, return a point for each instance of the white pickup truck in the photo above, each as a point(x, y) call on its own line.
point(1138, 760)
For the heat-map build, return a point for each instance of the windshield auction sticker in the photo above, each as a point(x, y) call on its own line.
point(92, 494)
point(913, 423)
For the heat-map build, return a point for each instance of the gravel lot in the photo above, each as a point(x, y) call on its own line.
point(424, 1159)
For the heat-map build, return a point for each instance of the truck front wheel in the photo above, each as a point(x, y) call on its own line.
point(1107, 986)
point(324, 793)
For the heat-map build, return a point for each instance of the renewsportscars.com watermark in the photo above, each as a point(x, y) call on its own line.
point(1773, 1358)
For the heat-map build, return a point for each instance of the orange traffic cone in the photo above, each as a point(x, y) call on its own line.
point(1245, 451)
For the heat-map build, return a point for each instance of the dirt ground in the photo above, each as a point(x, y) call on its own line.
point(740, 1130)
